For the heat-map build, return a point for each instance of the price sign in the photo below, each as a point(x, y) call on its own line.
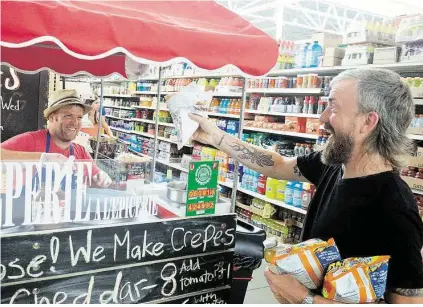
point(119, 263)
point(202, 184)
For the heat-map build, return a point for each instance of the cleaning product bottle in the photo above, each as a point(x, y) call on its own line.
point(280, 190)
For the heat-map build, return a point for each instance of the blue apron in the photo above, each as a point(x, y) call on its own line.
point(43, 172)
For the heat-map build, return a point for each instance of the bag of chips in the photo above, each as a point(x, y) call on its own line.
point(356, 280)
point(306, 262)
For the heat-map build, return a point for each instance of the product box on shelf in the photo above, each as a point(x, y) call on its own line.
point(329, 61)
point(295, 124)
point(417, 92)
point(358, 55)
point(414, 183)
point(415, 130)
point(386, 55)
point(416, 160)
point(335, 52)
point(313, 126)
point(412, 52)
point(410, 29)
point(327, 40)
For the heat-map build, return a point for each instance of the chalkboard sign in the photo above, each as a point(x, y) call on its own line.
point(120, 263)
point(23, 100)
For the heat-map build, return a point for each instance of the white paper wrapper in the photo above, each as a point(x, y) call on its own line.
point(191, 99)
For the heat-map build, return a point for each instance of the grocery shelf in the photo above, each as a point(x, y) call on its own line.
point(148, 108)
point(287, 133)
point(118, 95)
point(418, 137)
point(142, 120)
point(123, 142)
point(286, 91)
point(283, 114)
point(120, 130)
point(203, 75)
point(229, 185)
point(418, 101)
point(117, 117)
point(145, 134)
point(397, 67)
point(173, 165)
point(118, 107)
point(223, 115)
point(227, 94)
point(271, 201)
point(144, 93)
point(417, 192)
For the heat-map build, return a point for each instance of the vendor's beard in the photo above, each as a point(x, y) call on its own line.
point(338, 149)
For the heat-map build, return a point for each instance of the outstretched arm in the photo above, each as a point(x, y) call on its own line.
point(266, 162)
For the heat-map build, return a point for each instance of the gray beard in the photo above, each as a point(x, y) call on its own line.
point(338, 149)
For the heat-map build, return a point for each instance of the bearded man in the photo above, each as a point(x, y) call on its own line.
point(360, 200)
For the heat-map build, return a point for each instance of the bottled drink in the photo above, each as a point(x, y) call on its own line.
point(261, 188)
point(289, 193)
point(297, 195)
point(280, 190)
point(306, 105)
point(304, 55)
point(306, 197)
point(271, 188)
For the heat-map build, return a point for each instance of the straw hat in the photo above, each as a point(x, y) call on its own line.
point(62, 98)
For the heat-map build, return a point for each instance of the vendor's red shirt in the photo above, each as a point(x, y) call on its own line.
point(35, 141)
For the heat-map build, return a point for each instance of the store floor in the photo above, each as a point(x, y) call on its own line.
point(258, 291)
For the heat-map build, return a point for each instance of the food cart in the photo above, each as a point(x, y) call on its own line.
point(131, 244)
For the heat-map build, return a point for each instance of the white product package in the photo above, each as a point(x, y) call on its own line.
point(190, 99)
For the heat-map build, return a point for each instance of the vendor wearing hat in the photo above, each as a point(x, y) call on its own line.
point(64, 115)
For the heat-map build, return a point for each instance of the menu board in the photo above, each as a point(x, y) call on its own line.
point(202, 188)
point(23, 100)
point(186, 261)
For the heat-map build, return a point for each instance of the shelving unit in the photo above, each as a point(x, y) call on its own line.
point(287, 133)
point(321, 71)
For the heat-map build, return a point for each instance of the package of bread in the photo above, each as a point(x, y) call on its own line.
point(307, 261)
point(356, 280)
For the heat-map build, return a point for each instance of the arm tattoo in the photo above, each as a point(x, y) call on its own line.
point(297, 171)
point(252, 154)
point(408, 292)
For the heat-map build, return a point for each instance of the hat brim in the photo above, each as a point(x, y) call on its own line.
point(49, 110)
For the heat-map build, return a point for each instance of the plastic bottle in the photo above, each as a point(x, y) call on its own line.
point(311, 105)
point(280, 190)
point(306, 197)
point(308, 150)
point(297, 195)
point(261, 188)
point(289, 193)
point(254, 181)
point(296, 150)
point(301, 150)
point(271, 188)
point(304, 55)
point(316, 53)
point(306, 105)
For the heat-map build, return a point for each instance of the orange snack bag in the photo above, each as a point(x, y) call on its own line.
point(307, 261)
point(356, 280)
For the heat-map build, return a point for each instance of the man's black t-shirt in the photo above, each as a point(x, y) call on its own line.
point(367, 216)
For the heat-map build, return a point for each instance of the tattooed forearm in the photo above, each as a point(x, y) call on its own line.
point(252, 154)
point(408, 292)
point(297, 171)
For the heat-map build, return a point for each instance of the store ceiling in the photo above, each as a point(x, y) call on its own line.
point(298, 19)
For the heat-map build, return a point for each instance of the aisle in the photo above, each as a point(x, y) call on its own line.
point(258, 291)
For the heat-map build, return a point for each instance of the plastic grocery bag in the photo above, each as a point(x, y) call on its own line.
point(356, 280)
point(191, 99)
point(307, 262)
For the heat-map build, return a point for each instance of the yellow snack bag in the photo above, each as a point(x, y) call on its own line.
point(307, 261)
point(356, 280)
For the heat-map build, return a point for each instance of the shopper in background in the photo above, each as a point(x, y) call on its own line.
point(360, 199)
point(64, 114)
point(93, 117)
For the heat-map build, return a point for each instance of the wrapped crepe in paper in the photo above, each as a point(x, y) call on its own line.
point(356, 280)
point(191, 99)
point(307, 261)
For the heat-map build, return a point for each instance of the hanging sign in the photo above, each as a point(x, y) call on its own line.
point(202, 184)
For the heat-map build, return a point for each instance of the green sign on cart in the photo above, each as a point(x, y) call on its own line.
point(202, 188)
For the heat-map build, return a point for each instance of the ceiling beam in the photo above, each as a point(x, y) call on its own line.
point(258, 8)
